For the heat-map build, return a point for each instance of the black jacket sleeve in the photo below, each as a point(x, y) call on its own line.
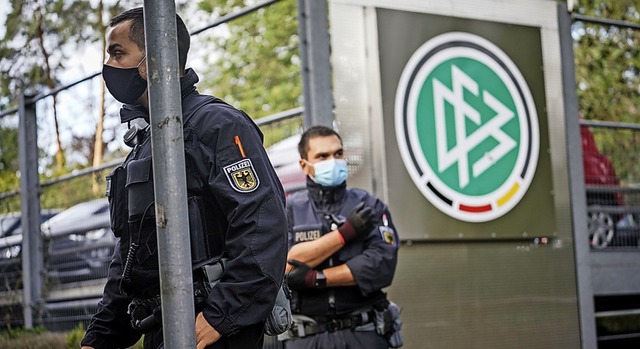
point(110, 326)
point(243, 182)
point(374, 268)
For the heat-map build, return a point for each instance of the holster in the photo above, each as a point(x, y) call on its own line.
point(388, 323)
point(145, 314)
point(280, 319)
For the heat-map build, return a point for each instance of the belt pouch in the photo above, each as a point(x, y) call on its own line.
point(140, 189)
point(197, 229)
point(115, 191)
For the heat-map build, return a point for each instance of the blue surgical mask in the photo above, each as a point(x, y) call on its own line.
point(330, 173)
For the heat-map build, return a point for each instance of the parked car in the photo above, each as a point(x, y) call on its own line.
point(11, 223)
point(79, 242)
point(78, 245)
point(10, 240)
point(284, 157)
point(610, 222)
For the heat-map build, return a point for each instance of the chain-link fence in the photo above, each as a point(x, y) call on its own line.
point(77, 241)
point(612, 182)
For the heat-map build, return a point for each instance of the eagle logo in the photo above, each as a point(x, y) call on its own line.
point(242, 176)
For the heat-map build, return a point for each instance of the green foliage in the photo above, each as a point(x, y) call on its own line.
point(608, 62)
point(40, 37)
point(13, 333)
point(8, 159)
point(608, 75)
point(619, 324)
point(38, 338)
point(258, 65)
point(74, 337)
point(276, 132)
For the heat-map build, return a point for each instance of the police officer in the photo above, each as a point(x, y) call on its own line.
point(236, 212)
point(342, 252)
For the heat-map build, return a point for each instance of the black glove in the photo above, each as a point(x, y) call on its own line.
point(360, 221)
point(301, 276)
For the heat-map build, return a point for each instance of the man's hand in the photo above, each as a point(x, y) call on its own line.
point(205, 333)
point(302, 276)
point(359, 222)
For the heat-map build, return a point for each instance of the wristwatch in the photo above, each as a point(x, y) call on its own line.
point(321, 280)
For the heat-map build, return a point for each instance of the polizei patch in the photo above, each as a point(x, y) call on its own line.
point(467, 127)
point(242, 176)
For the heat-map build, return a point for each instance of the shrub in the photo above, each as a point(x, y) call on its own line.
point(32, 339)
point(74, 337)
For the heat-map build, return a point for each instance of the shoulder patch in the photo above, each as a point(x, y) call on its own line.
point(242, 176)
point(388, 235)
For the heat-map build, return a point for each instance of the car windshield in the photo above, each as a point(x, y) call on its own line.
point(8, 224)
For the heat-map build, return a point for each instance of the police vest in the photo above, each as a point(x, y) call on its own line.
point(130, 190)
point(309, 223)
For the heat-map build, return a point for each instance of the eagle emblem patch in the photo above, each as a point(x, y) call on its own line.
point(242, 176)
point(388, 235)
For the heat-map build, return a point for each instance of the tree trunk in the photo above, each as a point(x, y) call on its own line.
point(98, 145)
point(60, 158)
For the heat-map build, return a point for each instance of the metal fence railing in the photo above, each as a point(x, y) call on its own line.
point(612, 173)
point(78, 244)
point(612, 183)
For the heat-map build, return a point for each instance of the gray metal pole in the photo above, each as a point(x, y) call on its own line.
point(316, 68)
point(32, 259)
point(576, 183)
point(174, 253)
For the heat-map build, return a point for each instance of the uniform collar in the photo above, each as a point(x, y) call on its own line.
point(187, 86)
point(325, 197)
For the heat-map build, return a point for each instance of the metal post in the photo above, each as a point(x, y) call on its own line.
point(176, 280)
point(32, 259)
point(576, 183)
point(316, 68)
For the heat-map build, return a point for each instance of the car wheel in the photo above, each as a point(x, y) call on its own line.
point(601, 229)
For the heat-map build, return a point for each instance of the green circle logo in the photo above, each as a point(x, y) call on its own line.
point(467, 127)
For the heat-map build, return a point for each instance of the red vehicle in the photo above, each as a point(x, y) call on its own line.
point(284, 158)
point(601, 183)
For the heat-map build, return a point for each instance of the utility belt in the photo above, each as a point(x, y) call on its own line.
point(304, 326)
point(384, 318)
point(146, 314)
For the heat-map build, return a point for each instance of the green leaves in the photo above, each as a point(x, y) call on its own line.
point(257, 68)
point(607, 60)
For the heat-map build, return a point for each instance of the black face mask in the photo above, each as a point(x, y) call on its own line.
point(125, 84)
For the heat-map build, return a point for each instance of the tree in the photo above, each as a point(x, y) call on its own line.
point(41, 36)
point(8, 159)
point(608, 74)
point(256, 64)
point(30, 54)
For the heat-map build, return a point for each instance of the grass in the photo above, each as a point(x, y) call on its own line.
point(34, 339)
point(39, 338)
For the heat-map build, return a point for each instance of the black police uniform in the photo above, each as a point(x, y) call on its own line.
point(236, 209)
point(371, 259)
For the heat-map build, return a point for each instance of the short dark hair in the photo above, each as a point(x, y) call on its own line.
point(136, 16)
point(312, 132)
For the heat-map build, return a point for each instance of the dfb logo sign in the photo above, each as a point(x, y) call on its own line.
point(467, 127)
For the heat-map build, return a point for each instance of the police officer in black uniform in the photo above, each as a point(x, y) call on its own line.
point(342, 251)
point(236, 212)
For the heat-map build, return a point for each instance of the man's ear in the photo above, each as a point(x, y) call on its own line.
point(143, 71)
point(306, 168)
